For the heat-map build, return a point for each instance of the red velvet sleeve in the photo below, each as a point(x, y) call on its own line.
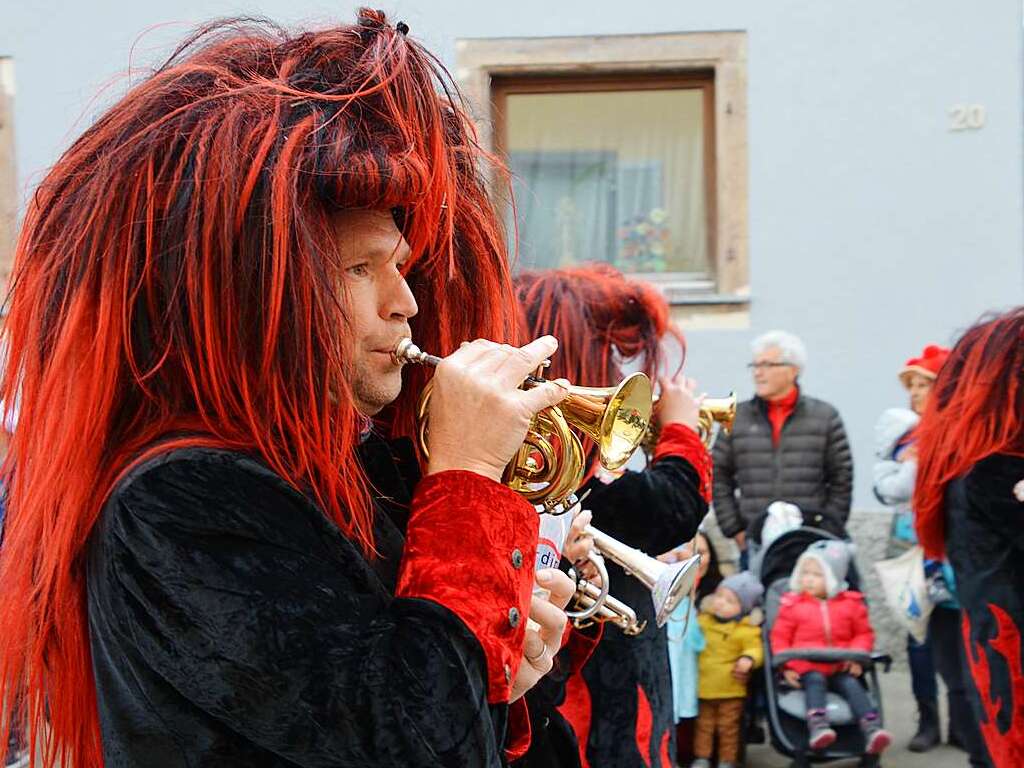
point(517, 742)
point(470, 546)
point(681, 441)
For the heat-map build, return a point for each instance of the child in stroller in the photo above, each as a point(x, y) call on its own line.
point(826, 704)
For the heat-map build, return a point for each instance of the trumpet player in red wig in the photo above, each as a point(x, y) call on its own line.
point(968, 507)
point(618, 707)
point(210, 554)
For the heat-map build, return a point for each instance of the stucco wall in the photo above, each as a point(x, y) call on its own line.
point(874, 228)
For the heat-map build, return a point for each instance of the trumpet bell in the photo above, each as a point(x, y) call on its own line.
point(615, 418)
point(668, 582)
point(674, 583)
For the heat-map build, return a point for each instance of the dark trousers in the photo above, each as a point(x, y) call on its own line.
point(950, 657)
point(685, 731)
point(922, 668)
point(816, 685)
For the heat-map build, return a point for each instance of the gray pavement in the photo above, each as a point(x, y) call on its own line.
point(900, 719)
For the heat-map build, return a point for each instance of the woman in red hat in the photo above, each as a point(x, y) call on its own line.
point(894, 475)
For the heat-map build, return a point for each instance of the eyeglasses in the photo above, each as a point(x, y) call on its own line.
point(759, 366)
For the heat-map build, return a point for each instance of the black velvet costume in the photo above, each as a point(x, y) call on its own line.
point(620, 704)
point(985, 546)
point(232, 624)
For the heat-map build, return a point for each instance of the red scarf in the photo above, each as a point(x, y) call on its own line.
point(779, 410)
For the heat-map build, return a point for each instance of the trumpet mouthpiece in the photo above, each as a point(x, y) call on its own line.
point(407, 352)
point(403, 350)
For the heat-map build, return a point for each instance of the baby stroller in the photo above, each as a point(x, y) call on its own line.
point(786, 709)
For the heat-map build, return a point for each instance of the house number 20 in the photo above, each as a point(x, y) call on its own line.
point(966, 117)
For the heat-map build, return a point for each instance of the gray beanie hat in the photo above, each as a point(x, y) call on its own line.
point(834, 557)
point(746, 588)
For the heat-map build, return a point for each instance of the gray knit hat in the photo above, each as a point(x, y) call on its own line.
point(746, 588)
point(834, 557)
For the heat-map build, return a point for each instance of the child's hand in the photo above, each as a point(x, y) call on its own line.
point(854, 669)
point(741, 669)
point(792, 678)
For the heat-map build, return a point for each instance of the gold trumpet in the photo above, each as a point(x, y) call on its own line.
point(712, 409)
point(550, 465)
point(720, 409)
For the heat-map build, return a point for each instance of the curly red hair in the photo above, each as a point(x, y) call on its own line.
point(601, 320)
point(976, 409)
point(176, 284)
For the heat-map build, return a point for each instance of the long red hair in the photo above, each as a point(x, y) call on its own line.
point(976, 409)
point(176, 283)
point(601, 320)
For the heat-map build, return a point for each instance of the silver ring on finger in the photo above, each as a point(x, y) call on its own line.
point(536, 658)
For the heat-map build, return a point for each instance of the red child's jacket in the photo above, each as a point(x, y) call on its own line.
point(807, 622)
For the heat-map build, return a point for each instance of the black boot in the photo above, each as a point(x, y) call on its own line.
point(927, 735)
point(955, 739)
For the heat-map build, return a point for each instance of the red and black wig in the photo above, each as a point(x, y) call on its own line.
point(976, 409)
point(177, 283)
point(601, 319)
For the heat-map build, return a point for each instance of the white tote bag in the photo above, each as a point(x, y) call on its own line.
point(906, 592)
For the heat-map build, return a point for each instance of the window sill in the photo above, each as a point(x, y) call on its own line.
point(707, 310)
point(683, 290)
point(682, 297)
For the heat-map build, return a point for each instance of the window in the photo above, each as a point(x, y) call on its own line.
point(630, 149)
point(617, 169)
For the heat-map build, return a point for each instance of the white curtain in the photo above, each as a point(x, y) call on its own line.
point(614, 176)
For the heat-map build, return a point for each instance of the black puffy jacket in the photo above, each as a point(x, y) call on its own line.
point(811, 467)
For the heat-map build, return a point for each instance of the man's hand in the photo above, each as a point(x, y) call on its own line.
point(578, 546)
point(678, 403)
point(741, 540)
point(792, 678)
point(478, 414)
point(855, 669)
point(741, 669)
point(542, 644)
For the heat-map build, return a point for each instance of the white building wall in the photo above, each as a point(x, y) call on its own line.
point(874, 228)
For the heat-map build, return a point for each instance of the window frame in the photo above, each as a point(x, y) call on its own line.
point(480, 63)
point(503, 86)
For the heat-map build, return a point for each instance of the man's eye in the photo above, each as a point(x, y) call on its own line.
point(359, 270)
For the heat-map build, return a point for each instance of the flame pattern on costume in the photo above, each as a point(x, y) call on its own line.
point(1005, 746)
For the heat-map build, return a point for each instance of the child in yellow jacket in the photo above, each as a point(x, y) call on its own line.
point(732, 651)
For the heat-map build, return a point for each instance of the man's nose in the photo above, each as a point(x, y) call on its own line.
point(399, 302)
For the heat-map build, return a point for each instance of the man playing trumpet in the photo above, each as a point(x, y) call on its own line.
point(210, 555)
point(624, 689)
